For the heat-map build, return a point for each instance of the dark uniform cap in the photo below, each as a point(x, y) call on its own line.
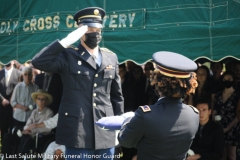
point(91, 16)
point(173, 64)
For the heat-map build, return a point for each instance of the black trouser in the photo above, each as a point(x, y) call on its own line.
point(128, 153)
point(10, 141)
point(28, 142)
point(10, 144)
point(18, 123)
point(6, 120)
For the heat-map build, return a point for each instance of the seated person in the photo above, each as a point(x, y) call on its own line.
point(53, 149)
point(42, 100)
point(209, 140)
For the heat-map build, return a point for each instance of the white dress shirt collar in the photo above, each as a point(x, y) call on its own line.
point(97, 56)
point(8, 71)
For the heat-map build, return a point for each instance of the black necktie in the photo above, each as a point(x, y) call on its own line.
point(94, 58)
point(200, 131)
point(45, 82)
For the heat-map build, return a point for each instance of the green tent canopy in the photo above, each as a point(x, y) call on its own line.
point(203, 30)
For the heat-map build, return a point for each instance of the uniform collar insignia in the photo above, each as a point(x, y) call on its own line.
point(110, 67)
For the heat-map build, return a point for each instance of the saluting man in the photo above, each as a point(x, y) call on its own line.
point(165, 130)
point(91, 87)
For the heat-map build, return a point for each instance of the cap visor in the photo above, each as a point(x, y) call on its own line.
point(95, 25)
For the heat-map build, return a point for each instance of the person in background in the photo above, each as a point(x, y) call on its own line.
point(130, 66)
point(203, 90)
point(9, 77)
point(215, 80)
point(17, 65)
point(236, 72)
point(230, 66)
point(129, 103)
point(238, 111)
point(53, 148)
point(1, 66)
point(238, 134)
point(138, 83)
point(23, 105)
point(52, 83)
point(153, 97)
point(41, 113)
point(148, 67)
point(225, 105)
point(21, 99)
point(127, 89)
point(209, 140)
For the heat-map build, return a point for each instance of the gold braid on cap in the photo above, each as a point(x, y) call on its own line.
point(90, 16)
point(172, 73)
point(94, 15)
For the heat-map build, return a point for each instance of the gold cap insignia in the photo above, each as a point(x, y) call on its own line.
point(96, 11)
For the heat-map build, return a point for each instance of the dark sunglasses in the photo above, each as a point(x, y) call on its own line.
point(42, 99)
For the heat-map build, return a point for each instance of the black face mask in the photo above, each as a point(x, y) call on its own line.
point(93, 39)
point(227, 84)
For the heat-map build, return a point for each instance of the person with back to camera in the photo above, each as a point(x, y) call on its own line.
point(91, 87)
point(165, 130)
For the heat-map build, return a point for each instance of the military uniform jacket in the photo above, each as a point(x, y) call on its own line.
point(88, 94)
point(163, 131)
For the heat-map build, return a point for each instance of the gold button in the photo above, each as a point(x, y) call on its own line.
point(79, 72)
point(94, 94)
point(95, 85)
point(66, 114)
point(94, 104)
point(96, 75)
point(110, 76)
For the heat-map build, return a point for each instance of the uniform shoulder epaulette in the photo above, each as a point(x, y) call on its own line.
point(106, 50)
point(194, 109)
point(73, 47)
point(145, 108)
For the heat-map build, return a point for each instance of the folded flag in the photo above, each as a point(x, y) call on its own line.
point(113, 122)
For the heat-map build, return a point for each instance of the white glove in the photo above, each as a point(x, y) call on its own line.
point(218, 118)
point(19, 133)
point(116, 137)
point(30, 107)
point(190, 152)
point(74, 36)
point(128, 114)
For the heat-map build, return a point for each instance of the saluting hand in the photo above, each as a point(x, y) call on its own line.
point(74, 36)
